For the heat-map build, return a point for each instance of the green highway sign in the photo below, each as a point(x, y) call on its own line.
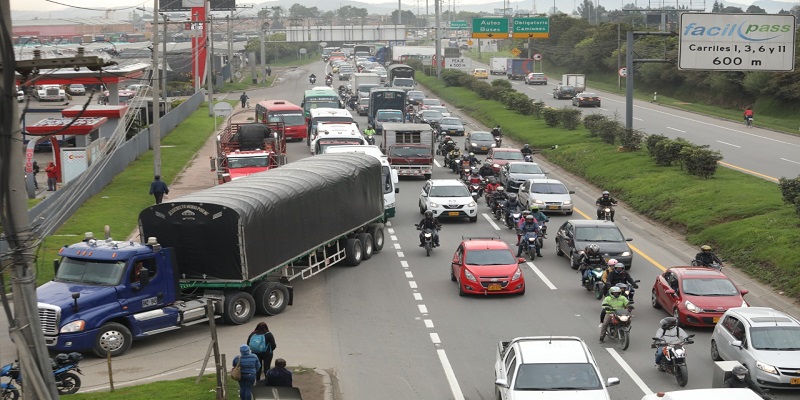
point(535, 27)
point(488, 28)
point(458, 25)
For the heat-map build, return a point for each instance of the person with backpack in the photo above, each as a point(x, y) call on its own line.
point(262, 344)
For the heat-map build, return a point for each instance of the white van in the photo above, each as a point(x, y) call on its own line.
point(388, 175)
point(705, 394)
point(333, 134)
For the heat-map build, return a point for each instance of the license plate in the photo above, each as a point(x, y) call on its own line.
point(495, 287)
point(453, 131)
point(552, 207)
point(484, 148)
point(795, 381)
point(453, 213)
point(716, 319)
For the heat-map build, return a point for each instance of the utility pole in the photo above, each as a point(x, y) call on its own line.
point(155, 127)
point(230, 45)
point(438, 40)
point(164, 65)
point(209, 58)
point(399, 13)
point(263, 56)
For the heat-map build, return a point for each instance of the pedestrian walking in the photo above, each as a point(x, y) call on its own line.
point(35, 170)
point(249, 364)
point(269, 70)
point(158, 189)
point(52, 176)
point(262, 344)
point(279, 376)
point(244, 97)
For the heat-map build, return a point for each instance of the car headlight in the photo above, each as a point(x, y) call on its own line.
point(691, 307)
point(473, 144)
point(472, 204)
point(434, 205)
point(469, 276)
point(567, 202)
point(74, 326)
point(516, 274)
point(766, 368)
point(495, 165)
point(539, 201)
point(493, 144)
point(625, 254)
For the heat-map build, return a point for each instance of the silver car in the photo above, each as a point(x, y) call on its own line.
point(452, 126)
point(549, 194)
point(764, 340)
point(515, 173)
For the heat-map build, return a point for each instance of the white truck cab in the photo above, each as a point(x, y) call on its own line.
point(332, 134)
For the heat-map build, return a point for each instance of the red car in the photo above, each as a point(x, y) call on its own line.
point(486, 266)
point(696, 296)
point(501, 156)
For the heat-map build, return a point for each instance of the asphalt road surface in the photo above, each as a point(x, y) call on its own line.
point(395, 327)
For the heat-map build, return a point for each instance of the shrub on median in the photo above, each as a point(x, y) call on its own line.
point(570, 117)
point(700, 161)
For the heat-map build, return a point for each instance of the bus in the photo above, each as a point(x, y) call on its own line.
point(319, 97)
point(389, 176)
point(272, 111)
point(326, 115)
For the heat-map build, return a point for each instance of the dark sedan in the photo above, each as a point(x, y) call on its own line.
point(586, 99)
point(428, 116)
point(574, 235)
point(363, 106)
point(415, 97)
point(452, 126)
point(479, 142)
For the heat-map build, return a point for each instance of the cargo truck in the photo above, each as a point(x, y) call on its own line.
point(361, 82)
point(497, 65)
point(383, 98)
point(246, 149)
point(237, 246)
point(409, 148)
point(518, 68)
point(578, 81)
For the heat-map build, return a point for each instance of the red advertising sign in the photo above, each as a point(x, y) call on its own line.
point(50, 126)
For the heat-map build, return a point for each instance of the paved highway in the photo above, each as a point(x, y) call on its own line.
point(764, 153)
point(395, 327)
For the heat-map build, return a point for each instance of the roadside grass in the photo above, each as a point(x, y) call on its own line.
point(741, 215)
point(166, 390)
point(119, 203)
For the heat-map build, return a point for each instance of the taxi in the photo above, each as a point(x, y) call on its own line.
point(480, 73)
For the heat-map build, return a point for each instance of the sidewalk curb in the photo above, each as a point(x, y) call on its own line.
point(326, 382)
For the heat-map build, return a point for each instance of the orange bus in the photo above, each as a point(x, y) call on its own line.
point(291, 115)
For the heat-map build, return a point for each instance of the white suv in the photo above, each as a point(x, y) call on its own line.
point(447, 198)
point(764, 340)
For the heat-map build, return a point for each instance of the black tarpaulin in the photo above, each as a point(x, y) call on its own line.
point(242, 229)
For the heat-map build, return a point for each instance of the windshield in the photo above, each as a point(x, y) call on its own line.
point(409, 152)
point(310, 105)
point(248, 162)
point(567, 89)
point(363, 101)
point(549, 188)
point(481, 136)
point(90, 272)
point(557, 377)
point(431, 102)
point(389, 116)
point(432, 114)
point(507, 155)
point(524, 168)
point(416, 95)
point(775, 338)
point(289, 119)
point(325, 143)
point(339, 120)
point(598, 234)
point(449, 191)
point(403, 82)
point(490, 257)
point(440, 109)
point(450, 121)
point(709, 287)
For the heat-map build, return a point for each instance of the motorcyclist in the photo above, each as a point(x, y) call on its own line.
point(670, 333)
point(448, 144)
point(352, 102)
point(432, 223)
point(492, 185)
point(511, 205)
point(312, 78)
point(496, 132)
point(499, 196)
point(472, 160)
point(590, 258)
point(526, 149)
point(486, 170)
point(538, 214)
point(369, 133)
point(740, 379)
point(614, 301)
point(474, 176)
point(748, 113)
point(706, 257)
point(605, 201)
point(455, 159)
point(527, 227)
point(617, 274)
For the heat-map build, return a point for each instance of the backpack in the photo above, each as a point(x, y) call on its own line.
point(258, 344)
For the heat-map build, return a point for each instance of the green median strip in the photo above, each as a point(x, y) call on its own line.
point(742, 216)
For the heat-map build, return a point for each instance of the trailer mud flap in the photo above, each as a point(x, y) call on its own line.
point(291, 294)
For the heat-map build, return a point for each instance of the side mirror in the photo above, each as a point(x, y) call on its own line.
point(628, 239)
point(502, 383)
point(737, 343)
point(213, 163)
point(520, 260)
point(744, 292)
point(670, 292)
point(571, 192)
point(612, 382)
point(397, 190)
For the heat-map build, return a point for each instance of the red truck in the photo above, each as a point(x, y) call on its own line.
point(245, 149)
point(409, 148)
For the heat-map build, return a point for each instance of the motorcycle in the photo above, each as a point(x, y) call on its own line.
point(427, 240)
point(498, 140)
point(529, 240)
point(605, 212)
point(714, 265)
point(595, 280)
point(370, 140)
point(749, 122)
point(540, 239)
point(674, 360)
point(528, 158)
point(67, 382)
point(620, 327)
point(312, 79)
point(475, 189)
point(512, 220)
point(499, 210)
point(328, 81)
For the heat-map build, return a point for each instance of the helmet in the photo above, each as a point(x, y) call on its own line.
point(500, 189)
point(534, 207)
point(740, 372)
point(612, 262)
point(619, 268)
point(592, 248)
point(526, 213)
point(615, 291)
point(474, 170)
point(512, 197)
point(429, 214)
point(527, 145)
point(529, 218)
point(471, 154)
point(447, 137)
point(605, 193)
point(669, 323)
point(705, 247)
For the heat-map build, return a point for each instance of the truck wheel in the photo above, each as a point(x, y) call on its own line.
point(239, 308)
point(271, 298)
point(376, 231)
point(366, 244)
point(112, 338)
point(353, 252)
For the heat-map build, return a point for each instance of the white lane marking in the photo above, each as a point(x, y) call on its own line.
point(412, 284)
point(790, 161)
point(489, 219)
point(393, 237)
point(675, 129)
point(409, 274)
point(451, 376)
point(729, 144)
point(422, 308)
point(636, 379)
point(428, 323)
point(638, 119)
point(435, 338)
point(401, 254)
point(437, 163)
point(541, 276)
point(404, 264)
point(389, 223)
point(417, 296)
point(397, 246)
point(391, 232)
